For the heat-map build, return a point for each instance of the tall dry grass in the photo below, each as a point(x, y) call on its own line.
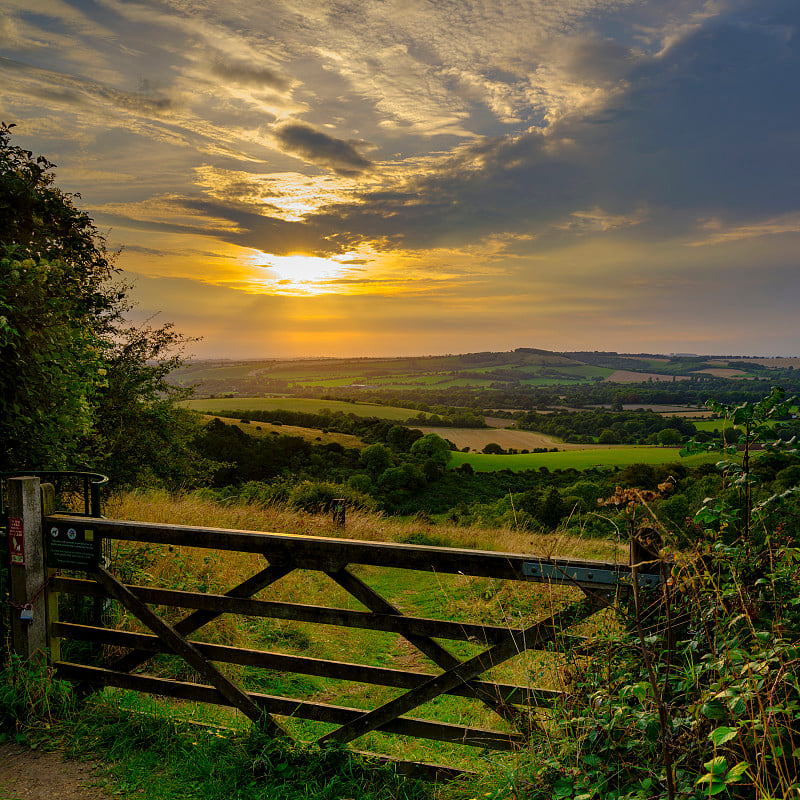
point(191, 509)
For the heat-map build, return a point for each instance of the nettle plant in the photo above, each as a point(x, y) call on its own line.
point(699, 695)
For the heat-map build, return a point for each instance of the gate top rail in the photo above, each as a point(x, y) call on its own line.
point(331, 554)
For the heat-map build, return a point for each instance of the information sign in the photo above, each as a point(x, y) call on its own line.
point(16, 541)
point(72, 546)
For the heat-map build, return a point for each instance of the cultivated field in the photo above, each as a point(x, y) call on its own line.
point(629, 376)
point(579, 459)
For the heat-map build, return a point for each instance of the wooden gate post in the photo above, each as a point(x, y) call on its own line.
point(28, 636)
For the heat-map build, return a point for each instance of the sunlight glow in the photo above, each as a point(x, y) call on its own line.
point(305, 275)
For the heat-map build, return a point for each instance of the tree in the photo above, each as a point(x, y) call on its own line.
point(669, 436)
point(493, 449)
point(432, 447)
point(376, 458)
point(78, 388)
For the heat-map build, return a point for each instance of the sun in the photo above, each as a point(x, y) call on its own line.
point(300, 274)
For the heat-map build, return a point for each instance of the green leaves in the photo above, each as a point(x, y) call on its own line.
point(718, 777)
point(721, 735)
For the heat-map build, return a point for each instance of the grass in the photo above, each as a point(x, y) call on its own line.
point(304, 404)
point(577, 459)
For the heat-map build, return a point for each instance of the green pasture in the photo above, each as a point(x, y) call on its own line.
point(708, 425)
point(578, 459)
point(308, 405)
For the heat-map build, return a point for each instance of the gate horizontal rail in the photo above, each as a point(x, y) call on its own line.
point(329, 554)
point(514, 704)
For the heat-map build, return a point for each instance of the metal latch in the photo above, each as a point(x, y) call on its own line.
point(538, 570)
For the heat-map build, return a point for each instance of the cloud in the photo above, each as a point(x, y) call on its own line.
point(248, 75)
point(708, 127)
point(318, 147)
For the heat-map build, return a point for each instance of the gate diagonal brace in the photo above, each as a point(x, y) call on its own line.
point(197, 619)
point(440, 656)
point(533, 636)
point(186, 650)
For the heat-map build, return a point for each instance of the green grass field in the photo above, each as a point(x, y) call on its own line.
point(578, 459)
point(708, 425)
point(304, 404)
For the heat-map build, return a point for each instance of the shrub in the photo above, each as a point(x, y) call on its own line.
point(317, 496)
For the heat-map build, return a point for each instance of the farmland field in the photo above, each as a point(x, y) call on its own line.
point(478, 438)
point(579, 459)
point(304, 404)
point(627, 376)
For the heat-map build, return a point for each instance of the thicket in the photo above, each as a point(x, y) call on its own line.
point(699, 695)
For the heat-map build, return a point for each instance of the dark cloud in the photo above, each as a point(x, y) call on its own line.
point(318, 147)
point(710, 127)
point(248, 75)
point(74, 90)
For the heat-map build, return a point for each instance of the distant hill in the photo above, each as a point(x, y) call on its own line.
point(520, 368)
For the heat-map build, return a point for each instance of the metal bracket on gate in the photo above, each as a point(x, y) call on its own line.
point(538, 570)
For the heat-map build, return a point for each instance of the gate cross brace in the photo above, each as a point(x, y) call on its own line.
point(197, 619)
point(186, 650)
point(534, 635)
point(439, 655)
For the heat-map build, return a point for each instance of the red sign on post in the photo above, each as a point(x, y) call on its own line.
point(16, 541)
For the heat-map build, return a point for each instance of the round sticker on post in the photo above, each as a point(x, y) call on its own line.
point(54, 532)
point(72, 533)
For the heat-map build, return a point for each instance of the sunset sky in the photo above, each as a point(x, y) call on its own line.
point(400, 177)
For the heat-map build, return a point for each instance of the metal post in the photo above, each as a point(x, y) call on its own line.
point(339, 511)
point(28, 617)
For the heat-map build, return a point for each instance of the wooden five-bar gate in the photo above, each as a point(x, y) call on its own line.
point(44, 545)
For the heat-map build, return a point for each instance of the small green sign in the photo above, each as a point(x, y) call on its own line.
point(71, 545)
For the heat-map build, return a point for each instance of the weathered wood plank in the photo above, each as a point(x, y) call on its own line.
point(303, 665)
point(187, 651)
point(322, 615)
point(323, 553)
point(301, 709)
point(534, 636)
point(423, 770)
point(197, 619)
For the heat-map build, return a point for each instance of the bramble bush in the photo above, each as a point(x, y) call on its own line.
point(699, 695)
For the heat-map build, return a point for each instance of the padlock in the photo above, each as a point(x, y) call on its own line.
point(26, 615)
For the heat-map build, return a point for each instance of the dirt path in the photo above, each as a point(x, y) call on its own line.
point(27, 774)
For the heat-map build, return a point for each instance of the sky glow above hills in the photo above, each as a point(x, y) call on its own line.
point(389, 178)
